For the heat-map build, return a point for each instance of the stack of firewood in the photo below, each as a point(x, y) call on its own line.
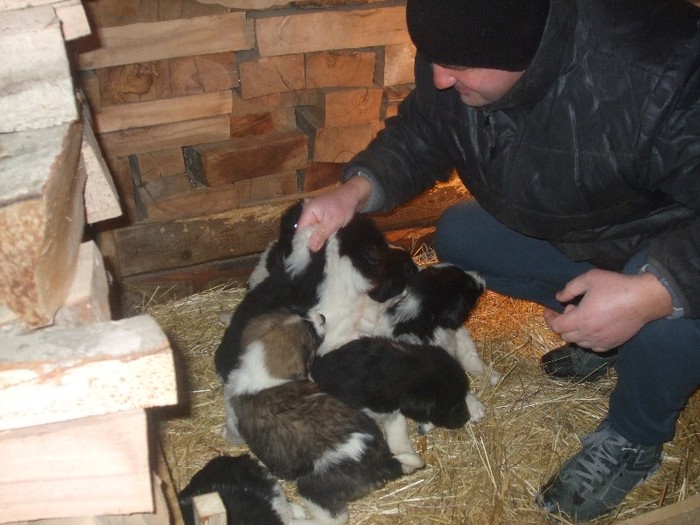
point(74, 384)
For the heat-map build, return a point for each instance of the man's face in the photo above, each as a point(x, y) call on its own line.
point(476, 86)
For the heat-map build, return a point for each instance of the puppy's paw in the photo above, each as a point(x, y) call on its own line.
point(424, 428)
point(410, 462)
point(494, 377)
point(231, 436)
point(477, 410)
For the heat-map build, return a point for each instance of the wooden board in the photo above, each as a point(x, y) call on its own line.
point(86, 467)
point(62, 373)
point(144, 42)
point(347, 68)
point(35, 77)
point(41, 219)
point(686, 512)
point(266, 76)
point(305, 32)
point(172, 110)
point(246, 158)
point(346, 107)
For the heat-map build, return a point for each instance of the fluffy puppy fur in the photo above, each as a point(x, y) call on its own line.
point(392, 380)
point(354, 270)
point(250, 494)
point(335, 453)
point(433, 309)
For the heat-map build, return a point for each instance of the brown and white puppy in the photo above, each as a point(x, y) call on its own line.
point(336, 454)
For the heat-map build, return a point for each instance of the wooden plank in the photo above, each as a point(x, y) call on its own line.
point(395, 65)
point(203, 73)
point(41, 219)
point(35, 77)
point(305, 32)
point(351, 68)
point(276, 120)
point(208, 509)
point(334, 144)
point(166, 245)
point(165, 136)
point(194, 202)
point(246, 158)
point(319, 175)
point(64, 373)
point(178, 244)
point(686, 512)
point(88, 295)
point(155, 165)
point(346, 107)
point(101, 198)
point(143, 42)
point(269, 75)
point(266, 188)
point(86, 467)
point(172, 110)
point(74, 22)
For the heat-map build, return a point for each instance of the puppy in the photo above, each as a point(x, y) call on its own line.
point(250, 494)
point(355, 270)
point(392, 380)
point(433, 309)
point(335, 453)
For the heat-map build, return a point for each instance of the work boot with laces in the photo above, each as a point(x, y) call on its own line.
point(577, 364)
point(597, 478)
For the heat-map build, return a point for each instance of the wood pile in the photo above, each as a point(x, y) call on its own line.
point(216, 115)
point(74, 384)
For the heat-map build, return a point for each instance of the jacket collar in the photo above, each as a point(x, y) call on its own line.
point(551, 58)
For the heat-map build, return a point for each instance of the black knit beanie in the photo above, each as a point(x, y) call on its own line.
point(491, 34)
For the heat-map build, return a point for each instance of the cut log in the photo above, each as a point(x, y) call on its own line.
point(36, 87)
point(334, 144)
point(346, 107)
point(328, 69)
point(395, 64)
point(86, 467)
point(266, 76)
point(62, 373)
point(246, 158)
point(41, 219)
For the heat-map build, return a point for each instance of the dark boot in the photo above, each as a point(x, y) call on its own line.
point(577, 364)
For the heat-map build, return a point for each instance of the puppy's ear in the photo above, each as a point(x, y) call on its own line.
point(288, 225)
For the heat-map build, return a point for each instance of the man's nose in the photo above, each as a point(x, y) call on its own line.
point(443, 77)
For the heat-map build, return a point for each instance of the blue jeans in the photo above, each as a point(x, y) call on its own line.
point(657, 370)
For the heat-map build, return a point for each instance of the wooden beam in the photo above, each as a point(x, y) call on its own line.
point(62, 373)
point(87, 467)
point(167, 111)
point(270, 75)
point(144, 42)
point(347, 68)
point(41, 219)
point(35, 77)
point(686, 512)
point(305, 32)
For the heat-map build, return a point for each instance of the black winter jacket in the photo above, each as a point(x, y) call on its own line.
point(596, 148)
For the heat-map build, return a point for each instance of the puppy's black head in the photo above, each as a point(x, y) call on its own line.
point(288, 227)
point(397, 272)
point(447, 291)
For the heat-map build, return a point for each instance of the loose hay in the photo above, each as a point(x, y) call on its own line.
point(487, 473)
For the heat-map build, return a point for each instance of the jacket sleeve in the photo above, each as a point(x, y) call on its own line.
point(402, 161)
point(676, 253)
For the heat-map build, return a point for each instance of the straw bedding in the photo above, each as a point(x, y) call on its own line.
point(486, 473)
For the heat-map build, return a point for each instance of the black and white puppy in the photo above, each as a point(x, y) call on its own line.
point(250, 494)
point(433, 310)
point(354, 270)
point(393, 380)
point(336, 454)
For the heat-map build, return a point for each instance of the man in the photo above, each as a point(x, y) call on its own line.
point(575, 124)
